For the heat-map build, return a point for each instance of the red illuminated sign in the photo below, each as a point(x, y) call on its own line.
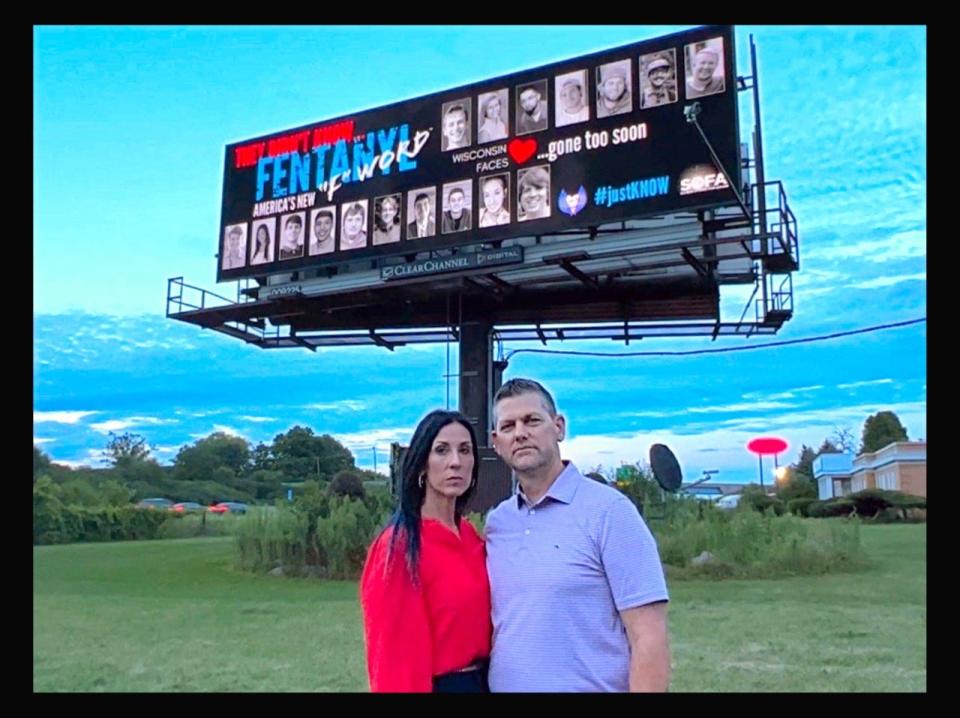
point(767, 445)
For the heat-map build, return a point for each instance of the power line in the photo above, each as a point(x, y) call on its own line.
point(722, 350)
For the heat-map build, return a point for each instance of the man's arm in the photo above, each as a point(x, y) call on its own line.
point(649, 647)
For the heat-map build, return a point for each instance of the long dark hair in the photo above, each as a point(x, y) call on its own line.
point(406, 519)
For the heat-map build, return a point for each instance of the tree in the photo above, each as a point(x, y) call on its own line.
point(265, 484)
point(126, 449)
point(881, 429)
point(843, 438)
point(300, 454)
point(347, 483)
point(796, 486)
point(804, 463)
point(261, 458)
point(41, 462)
point(200, 461)
point(828, 447)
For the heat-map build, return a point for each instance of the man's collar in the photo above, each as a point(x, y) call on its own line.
point(563, 488)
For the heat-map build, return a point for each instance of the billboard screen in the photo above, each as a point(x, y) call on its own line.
point(575, 144)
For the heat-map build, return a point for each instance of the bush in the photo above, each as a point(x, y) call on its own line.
point(348, 483)
point(266, 539)
point(762, 503)
point(344, 536)
point(871, 502)
point(47, 512)
point(750, 544)
point(798, 486)
point(68, 524)
point(830, 508)
point(192, 525)
point(320, 534)
point(798, 507)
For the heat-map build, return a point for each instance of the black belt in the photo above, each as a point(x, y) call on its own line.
point(472, 679)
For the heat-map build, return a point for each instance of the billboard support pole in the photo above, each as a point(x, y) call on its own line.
point(476, 375)
point(761, 176)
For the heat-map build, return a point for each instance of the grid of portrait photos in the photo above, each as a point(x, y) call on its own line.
point(610, 89)
point(613, 88)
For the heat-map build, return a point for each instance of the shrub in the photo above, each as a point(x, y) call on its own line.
point(347, 483)
point(798, 507)
point(750, 544)
point(830, 508)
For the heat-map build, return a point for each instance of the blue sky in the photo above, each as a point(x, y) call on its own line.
point(130, 127)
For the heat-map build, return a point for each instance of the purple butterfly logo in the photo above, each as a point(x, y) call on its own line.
point(572, 203)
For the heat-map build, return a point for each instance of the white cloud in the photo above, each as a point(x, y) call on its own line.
point(888, 281)
point(109, 337)
point(60, 417)
point(364, 440)
point(346, 405)
point(902, 245)
point(872, 382)
point(105, 427)
point(223, 429)
point(93, 460)
point(38, 440)
point(97, 456)
point(82, 464)
point(788, 394)
point(199, 414)
point(258, 419)
point(228, 430)
point(719, 409)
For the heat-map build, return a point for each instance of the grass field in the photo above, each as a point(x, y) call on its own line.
point(175, 616)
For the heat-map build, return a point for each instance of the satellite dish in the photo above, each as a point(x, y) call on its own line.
point(666, 468)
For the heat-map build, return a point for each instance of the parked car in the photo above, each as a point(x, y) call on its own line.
point(233, 507)
point(188, 507)
point(729, 502)
point(155, 503)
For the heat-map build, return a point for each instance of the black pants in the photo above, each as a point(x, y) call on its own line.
point(473, 681)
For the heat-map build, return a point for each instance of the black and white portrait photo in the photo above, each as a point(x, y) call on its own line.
point(532, 107)
point(353, 224)
point(457, 203)
point(261, 247)
point(658, 79)
point(494, 200)
point(386, 219)
point(455, 125)
point(421, 213)
point(705, 72)
point(323, 231)
point(234, 253)
point(493, 115)
point(533, 193)
point(291, 235)
point(571, 102)
point(613, 89)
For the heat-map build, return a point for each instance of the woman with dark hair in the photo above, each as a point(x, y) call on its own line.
point(424, 589)
point(261, 248)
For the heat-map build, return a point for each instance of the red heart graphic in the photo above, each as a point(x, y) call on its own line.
point(521, 150)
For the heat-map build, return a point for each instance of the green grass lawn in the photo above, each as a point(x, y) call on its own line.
point(175, 616)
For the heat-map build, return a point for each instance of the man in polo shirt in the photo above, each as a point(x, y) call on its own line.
point(578, 592)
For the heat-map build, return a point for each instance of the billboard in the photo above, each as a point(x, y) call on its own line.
point(571, 145)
